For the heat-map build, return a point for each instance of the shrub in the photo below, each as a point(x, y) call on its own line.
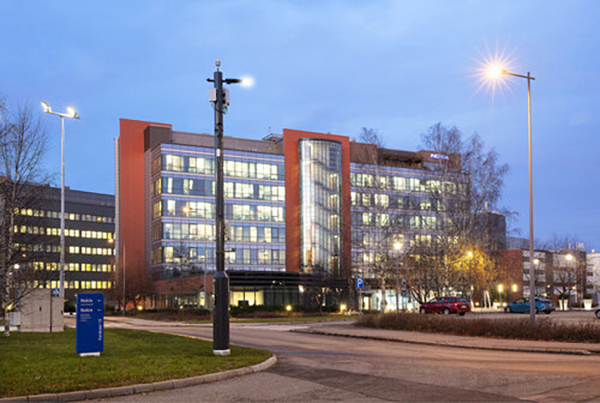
point(509, 328)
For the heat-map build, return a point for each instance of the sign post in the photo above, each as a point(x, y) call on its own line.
point(360, 284)
point(404, 293)
point(90, 325)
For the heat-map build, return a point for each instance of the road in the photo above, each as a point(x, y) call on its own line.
point(315, 368)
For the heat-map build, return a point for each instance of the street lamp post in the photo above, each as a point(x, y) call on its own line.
point(568, 277)
point(71, 113)
point(495, 72)
point(220, 100)
point(397, 247)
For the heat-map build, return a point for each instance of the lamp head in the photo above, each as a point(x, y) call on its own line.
point(46, 107)
point(247, 82)
point(72, 113)
point(495, 71)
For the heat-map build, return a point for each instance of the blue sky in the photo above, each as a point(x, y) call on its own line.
point(329, 66)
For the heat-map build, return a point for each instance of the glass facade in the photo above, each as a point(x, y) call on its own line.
point(183, 211)
point(320, 206)
point(398, 205)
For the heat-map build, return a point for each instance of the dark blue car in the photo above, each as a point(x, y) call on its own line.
point(522, 306)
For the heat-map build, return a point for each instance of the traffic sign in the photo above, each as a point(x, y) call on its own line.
point(360, 283)
point(404, 287)
point(56, 292)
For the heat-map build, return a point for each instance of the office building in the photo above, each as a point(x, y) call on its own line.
point(302, 208)
point(89, 246)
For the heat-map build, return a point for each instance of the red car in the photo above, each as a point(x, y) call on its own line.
point(446, 305)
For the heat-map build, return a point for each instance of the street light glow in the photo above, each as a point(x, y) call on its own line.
point(397, 245)
point(491, 68)
point(46, 107)
point(569, 257)
point(495, 71)
point(247, 82)
point(469, 254)
point(72, 113)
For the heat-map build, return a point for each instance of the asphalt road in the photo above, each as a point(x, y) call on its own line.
point(315, 368)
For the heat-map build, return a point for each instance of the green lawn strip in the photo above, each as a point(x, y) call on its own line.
point(35, 363)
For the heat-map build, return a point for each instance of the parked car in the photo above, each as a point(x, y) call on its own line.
point(446, 305)
point(521, 305)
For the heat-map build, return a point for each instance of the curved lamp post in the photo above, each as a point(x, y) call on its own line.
point(496, 72)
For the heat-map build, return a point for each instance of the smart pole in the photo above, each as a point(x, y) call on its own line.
point(219, 97)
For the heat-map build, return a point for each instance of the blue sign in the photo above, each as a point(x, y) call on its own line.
point(90, 324)
point(404, 286)
point(56, 292)
point(360, 283)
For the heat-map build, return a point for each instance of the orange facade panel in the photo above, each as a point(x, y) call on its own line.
point(132, 214)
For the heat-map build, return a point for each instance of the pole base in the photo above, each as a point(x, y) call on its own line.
point(221, 352)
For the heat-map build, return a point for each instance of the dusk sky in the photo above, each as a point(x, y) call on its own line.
point(327, 66)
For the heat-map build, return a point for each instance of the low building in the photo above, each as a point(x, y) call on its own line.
point(593, 260)
point(558, 274)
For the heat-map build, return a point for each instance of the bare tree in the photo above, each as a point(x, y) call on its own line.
point(22, 149)
point(566, 266)
point(463, 194)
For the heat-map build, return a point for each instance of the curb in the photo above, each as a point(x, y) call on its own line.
point(427, 343)
point(144, 387)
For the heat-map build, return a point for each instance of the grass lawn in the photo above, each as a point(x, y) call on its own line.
point(34, 363)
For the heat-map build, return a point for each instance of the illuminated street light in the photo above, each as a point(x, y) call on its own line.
point(72, 114)
point(469, 254)
point(247, 82)
point(493, 71)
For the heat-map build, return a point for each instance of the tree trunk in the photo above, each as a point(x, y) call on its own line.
point(383, 300)
point(6, 321)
